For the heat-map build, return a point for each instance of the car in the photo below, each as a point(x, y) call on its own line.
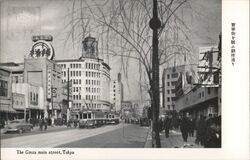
point(18, 125)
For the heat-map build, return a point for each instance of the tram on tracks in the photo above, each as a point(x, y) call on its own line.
point(95, 118)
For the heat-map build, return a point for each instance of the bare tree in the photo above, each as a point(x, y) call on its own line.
point(124, 24)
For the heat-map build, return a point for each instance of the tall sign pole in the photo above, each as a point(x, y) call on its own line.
point(155, 24)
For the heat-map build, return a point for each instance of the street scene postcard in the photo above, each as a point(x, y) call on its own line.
point(124, 79)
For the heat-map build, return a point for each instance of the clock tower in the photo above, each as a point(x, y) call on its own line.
point(89, 48)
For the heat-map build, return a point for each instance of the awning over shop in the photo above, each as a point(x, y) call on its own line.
point(7, 109)
point(201, 105)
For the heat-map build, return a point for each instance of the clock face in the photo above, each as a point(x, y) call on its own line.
point(42, 49)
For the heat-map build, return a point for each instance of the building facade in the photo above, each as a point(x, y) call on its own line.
point(90, 78)
point(116, 93)
point(170, 78)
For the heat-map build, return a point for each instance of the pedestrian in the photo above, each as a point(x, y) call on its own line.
point(213, 133)
point(69, 123)
point(40, 124)
point(191, 127)
point(75, 123)
point(160, 124)
point(167, 125)
point(184, 128)
point(45, 124)
point(201, 130)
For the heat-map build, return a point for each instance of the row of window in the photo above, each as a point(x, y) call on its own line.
point(75, 73)
point(172, 91)
point(92, 66)
point(76, 89)
point(174, 75)
point(63, 65)
point(93, 82)
point(3, 88)
point(92, 90)
point(93, 74)
point(77, 81)
point(170, 98)
point(172, 83)
point(92, 97)
point(77, 97)
point(17, 102)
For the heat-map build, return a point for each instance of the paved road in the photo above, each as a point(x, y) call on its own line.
point(131, 136)
point(111, 136)
point(53, 139)
point(34, 131)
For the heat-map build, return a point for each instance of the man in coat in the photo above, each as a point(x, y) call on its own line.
point(167, 126)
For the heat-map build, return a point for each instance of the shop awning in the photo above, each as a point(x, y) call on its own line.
point(7, 109)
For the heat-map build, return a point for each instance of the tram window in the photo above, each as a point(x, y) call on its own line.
point(89, 115)
point(80, 116)
point(113, 116)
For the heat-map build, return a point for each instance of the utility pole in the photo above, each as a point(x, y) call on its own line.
point(155, 24)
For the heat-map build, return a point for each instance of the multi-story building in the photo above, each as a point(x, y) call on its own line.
point(90, 78)
point(169, 80)
point(205, 97)
point(116, 93)
point(6, 107)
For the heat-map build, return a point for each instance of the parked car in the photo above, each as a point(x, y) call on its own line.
point(19, 125)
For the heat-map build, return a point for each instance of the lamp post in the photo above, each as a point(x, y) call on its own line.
point(155, 24)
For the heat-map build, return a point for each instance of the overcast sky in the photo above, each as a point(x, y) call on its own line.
point(20, 19)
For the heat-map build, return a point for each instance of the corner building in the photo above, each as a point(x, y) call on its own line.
point(90, 78)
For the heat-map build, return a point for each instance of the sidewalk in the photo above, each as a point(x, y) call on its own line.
point(173, 141)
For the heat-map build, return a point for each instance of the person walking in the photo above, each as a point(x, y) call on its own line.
point(213, 133)
point(201, 130)
point(41, 124)
point(184, 126)
point(191, 127)
point(160, 124)
point(167, 125)
point(45, 124)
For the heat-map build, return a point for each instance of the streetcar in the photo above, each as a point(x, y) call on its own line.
point(112, 118)
point(91, 118)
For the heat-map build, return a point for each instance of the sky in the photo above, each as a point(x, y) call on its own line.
point(20, 19)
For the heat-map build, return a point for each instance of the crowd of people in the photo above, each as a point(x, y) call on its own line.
point(207, 131)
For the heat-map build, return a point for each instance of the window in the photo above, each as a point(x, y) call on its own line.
point(173, 83)
point(173, 91)
point(80, 66)
point(70, 65)
point(64, 73)
point(79, 73)
point(168, 76)
point(174, 75)
point(168, 99)
point(208, 91)
point(168, 91)
point(168, 83)
point(202, 94)
point(80, 81)
point(168, 106)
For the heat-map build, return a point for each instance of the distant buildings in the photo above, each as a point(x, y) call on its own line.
point(116, 93)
